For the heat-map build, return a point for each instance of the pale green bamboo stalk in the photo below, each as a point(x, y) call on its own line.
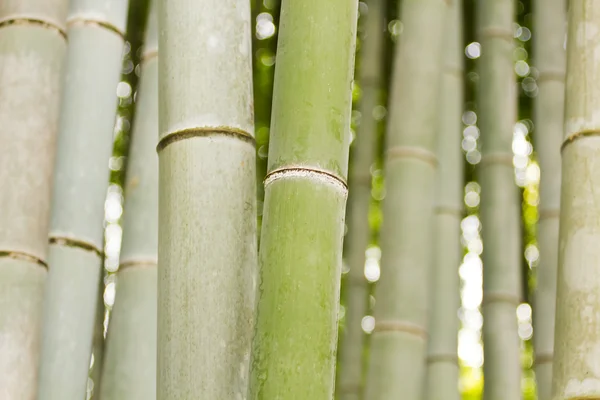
point(32, 47)
point(207, 195)
point(98, 341)
point(130, 364)
point(305, 197)
point(350, 385)
point(576, 372)
point(93, 66)
point(500, 203)
point(442, 357)
point(550, 30)
point(398, 343)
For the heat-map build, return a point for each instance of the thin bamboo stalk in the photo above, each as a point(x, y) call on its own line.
point(364, 147)
point(576, 372)
point(98, 341)
point(500, 203)
point(130, 364)
point(442, 357)
point(550, 60)
point(93, 65)
point(32, 47)
point(305, 196)
point(207, 196)
point(398, 343)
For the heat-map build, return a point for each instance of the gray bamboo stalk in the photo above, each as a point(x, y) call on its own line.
point(350, 377)
point(130, 364)
point(32, 47)
point(398, 343)
point(93, 66)
point(576, 372)
point(207, 195)
point(500, 203)
point(442, 357)
point(305, 197)
point(550, 60)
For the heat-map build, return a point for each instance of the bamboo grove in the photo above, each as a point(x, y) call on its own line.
point(292, 200)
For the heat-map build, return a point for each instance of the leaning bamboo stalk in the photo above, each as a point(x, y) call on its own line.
point(550, 30)
point(500, 203)
point(32, 47)
point(352, 348)
point(576, 372)
point(93, 66)
point(207, 197)
point(398, 343)
point(305, 196)
point(442, 357)
point(130, 364)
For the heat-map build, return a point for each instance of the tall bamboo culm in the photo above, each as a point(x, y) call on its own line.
point(500, 203)
point(398, 343)
point(576, 372)
point(442, 357)
point(207, 196)
point(92, 72)
point(550, 59)
point(32, 47)
point(305, 197)
point(363, 154)
point(130, 363)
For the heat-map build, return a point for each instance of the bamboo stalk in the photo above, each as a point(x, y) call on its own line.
point(576, 372)
point(32, 47)
point(550, 55)
point(364, 148)
point(130, 366)
point(207, 196)
point(93, 66)
point(442, 357)
point(398, 343)
point(305, 195)
point(500, 203)
point(98, 341)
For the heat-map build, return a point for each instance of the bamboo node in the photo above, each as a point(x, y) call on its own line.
point(204, 132)
point(139, 263)
point(77, 243)
point(549, 214)
point(442, 358)
point(496, 32)
point(496, 158)
point(400, 326)
point(544, 358)
point(399, 152)
point(578, 135)
point(18, 255)
point(148, 54)
point(83, 21)
point(449, 210)
point(549, 75)
point(34, 21)
point(307, 172)
point(499, 297)
point(454, 70)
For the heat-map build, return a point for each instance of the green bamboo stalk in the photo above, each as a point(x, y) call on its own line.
point(98, 341)
point(305, 196)
point(576, 372)
point(500, 203)
point(93, 65)
point(32, 47)
point(207, 196)
point(130, 365)
point(442, 357)
point(398, 343)
point(550, 30)
point(364, 147)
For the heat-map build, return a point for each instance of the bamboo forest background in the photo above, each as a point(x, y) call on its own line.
point(526, 169)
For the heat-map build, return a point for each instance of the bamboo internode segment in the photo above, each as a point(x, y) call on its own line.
point(408, 327)
point(414, 152)
point(72, 242)
point(451, 358)
point(30, 21)
point(205, 132)
point(574, 136)
point(24, 257)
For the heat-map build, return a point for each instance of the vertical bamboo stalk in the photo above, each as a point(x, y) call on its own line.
point(550, 55)
point(305, 195)
point(350, 377)
point(32, 46)
point(207, 198)
point(500, 203)
point(576, 373)
point(398, 343)
point(130, 364)
point(98, 341)
point(442, 357)
point(93, 66)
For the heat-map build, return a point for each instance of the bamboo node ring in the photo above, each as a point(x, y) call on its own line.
point(188, 133)
point(579, 135)
point(83, 21)
point(496, 158)
point(77, 243)
point(399, 152)
point(499, 297)
point(307, 172)
point(442, 358)
point(35, 21)
point(400, 326)
point(139, 263)
point(19, 255)
point(543, 358)
point(494, 32)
